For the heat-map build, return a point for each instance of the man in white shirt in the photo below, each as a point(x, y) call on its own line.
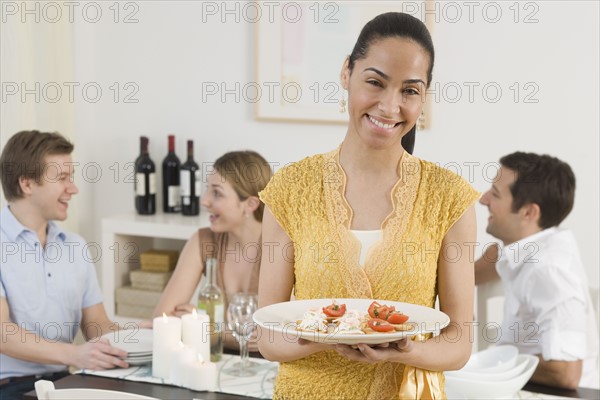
point(547, 308)
point(48, 286)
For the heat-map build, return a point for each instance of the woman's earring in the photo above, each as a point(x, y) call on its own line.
point(342, 104)
point(421, 121)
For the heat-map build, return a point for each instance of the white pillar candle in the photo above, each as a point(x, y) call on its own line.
point(182, 358)
point(195, 333)
point(165, 338)
point(202, 375)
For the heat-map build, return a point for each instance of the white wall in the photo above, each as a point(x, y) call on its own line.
point(171, 51)
point(35, 53)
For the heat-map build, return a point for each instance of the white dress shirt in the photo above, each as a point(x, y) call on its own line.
point(547, 308)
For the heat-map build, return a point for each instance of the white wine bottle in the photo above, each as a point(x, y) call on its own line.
point(210, 300)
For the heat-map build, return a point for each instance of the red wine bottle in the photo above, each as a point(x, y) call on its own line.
point(190, 183)
point(145, 181)
point(170, 170)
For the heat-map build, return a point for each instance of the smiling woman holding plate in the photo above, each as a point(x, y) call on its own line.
point(370, 220)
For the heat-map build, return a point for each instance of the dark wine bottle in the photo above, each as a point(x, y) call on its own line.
point(170, 171)
point(190, 183)
point(145, 181)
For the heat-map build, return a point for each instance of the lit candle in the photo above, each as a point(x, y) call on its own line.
point(182, 358)
point(165, 338)
point(202, 375)
point(195, 333)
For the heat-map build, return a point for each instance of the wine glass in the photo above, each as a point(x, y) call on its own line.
point(239, 319)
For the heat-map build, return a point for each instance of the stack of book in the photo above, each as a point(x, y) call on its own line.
point(147, 284)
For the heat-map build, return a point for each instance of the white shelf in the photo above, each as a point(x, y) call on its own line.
point(125, 236)
point(169, 226)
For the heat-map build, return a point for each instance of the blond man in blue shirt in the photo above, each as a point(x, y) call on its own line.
point(48, 285)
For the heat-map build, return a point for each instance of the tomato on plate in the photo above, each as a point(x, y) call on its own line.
point(397, 317)
point(380, 325)
point(335, 310)
point(376, 310)
point(372, 308)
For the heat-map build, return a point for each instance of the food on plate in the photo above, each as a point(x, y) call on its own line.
point(334, 310)
point(335, 318)
point(350, 323)
point(380, 325)
point(313, 320)
point(376, 310)
point(396, 318)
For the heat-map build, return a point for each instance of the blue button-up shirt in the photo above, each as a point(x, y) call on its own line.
point(46, 288)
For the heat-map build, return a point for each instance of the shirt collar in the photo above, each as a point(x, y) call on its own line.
point(55, 232)
point(13, 228)
point(519, 252)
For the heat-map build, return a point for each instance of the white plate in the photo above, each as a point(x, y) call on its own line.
point(482, 389)
point(520, 365)
point(138, 360)
point(492, 360)
point(282, 317)
point(134, 341)
point(135, 355)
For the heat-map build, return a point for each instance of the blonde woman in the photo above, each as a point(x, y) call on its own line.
point(233, 238)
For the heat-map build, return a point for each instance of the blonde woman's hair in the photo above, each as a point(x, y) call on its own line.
point(248, 172)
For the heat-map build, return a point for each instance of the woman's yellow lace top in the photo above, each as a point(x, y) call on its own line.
point(307, 199)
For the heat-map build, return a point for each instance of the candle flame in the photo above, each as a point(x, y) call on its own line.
point(165, 319)
point(194, 314)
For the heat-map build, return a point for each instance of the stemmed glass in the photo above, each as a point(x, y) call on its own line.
point(239, 319)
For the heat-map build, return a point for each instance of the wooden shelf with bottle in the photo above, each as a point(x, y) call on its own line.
point(125, 236)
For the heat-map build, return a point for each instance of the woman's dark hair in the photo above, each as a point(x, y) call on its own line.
point(400, 25)
point(408, 140)
point(545, 181)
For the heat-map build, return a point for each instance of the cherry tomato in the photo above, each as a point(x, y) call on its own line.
point(397, 317)
point(380, 325)
point(374, 305)
point(376, 310)
point(385, 311)
point(335, 310)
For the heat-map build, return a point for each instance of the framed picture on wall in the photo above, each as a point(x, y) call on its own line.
point(300, 50)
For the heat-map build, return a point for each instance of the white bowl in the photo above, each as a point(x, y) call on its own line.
point(521, 364)
point(492, 360)
point(481, 389)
